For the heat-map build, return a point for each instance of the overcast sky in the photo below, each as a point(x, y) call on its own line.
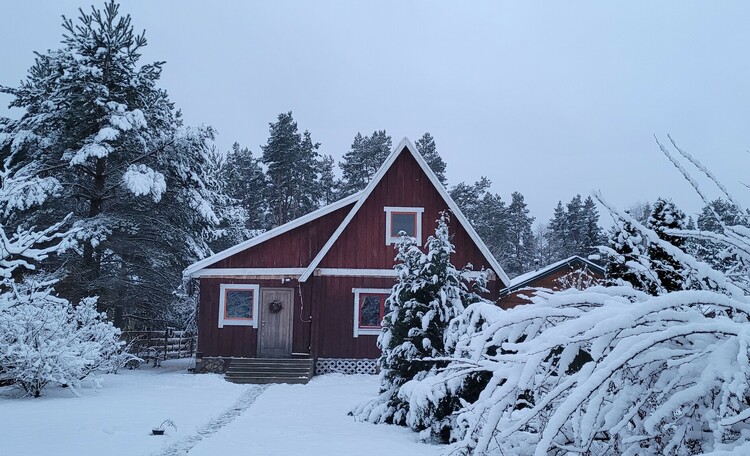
point(549, 99)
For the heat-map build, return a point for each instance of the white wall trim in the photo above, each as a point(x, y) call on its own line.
point(222, 304)
point(357, 291)
point(385, 273)
point(390, 240)
point(344, 272)
point(234, 272)
point(191, 270)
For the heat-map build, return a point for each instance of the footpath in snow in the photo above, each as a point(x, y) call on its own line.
point(211, 415)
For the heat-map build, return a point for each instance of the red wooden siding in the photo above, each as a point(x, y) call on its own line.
point(333, 313)
point(547, 281)
point(362, 244)
point(241, 341)
point(294, 249)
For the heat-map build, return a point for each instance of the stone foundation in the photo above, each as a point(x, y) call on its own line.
point(212, 365)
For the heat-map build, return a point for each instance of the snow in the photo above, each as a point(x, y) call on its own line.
point(142, 180)
point(117, 418)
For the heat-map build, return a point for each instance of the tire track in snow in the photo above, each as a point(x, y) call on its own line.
point(184, 445)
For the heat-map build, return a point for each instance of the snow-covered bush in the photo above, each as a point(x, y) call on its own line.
point(429, 293)
point(611, 370)
point(45, 339)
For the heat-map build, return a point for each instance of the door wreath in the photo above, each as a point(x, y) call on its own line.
point(275, 306)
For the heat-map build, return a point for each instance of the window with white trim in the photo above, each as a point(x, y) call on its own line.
point(369, 308)
point(403, 219)
point(238, 304)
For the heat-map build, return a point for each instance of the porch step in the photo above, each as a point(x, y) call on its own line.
point(269, 370)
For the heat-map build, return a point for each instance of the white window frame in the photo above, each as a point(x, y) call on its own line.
point(357, 292)
point(222, 305)
point(414, 210)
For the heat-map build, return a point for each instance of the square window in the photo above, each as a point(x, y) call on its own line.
point(369, 309)
point(403, 219)
point(238, 305)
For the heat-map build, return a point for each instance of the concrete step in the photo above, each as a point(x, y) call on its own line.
point(270, 370)
point(265, 380)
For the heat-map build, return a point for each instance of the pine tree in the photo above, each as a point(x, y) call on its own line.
point(486, 212)
point(328, 182)
point(293, 188)
point(520, 244)
point(363, 160)
point(574, 229)
point(245, 181)
point(593, 234)
point(426, 146)
point(624, 258)
point(135, 179)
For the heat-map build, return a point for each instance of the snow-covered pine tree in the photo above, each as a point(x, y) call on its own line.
point(429, 292)
point(43, 338)
point(362, 160)
point(574, 229)
point(135, 179)
point(426, 146)
point(593, 233)
point(292, 159)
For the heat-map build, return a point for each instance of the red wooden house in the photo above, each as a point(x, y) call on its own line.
point(575, 272)
point(315, 287)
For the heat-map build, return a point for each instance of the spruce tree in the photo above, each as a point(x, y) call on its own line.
point(426, 147)
point(666, 216)
point(135, 179)
point(429, 293)
point(557, 234)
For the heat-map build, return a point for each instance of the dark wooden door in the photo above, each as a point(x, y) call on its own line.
point(276, 311)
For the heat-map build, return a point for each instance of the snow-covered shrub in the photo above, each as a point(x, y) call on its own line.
point(45, 339)
point(429, 293)
point(611, 370)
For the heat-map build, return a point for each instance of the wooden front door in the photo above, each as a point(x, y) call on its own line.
point(276, 311)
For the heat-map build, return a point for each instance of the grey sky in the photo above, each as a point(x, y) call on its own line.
point(549, 99)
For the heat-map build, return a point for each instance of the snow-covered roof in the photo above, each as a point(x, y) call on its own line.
point(524, 279)
point(405, 144)
point(197, 266)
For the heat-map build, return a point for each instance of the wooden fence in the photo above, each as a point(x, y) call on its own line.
point(156, 346)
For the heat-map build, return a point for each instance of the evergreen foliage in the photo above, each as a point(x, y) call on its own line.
point(427, 148)
point(43, 338)
point(362, 161)
point(429, 293)
point(135, 179)
point(520, 249)
point(574, 229)
point(244, 180)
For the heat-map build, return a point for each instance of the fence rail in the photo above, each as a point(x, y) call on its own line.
point(156, 346)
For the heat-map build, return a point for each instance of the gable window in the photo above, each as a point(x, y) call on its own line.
point(238, 305)
point(406, 219)
point(369, 308)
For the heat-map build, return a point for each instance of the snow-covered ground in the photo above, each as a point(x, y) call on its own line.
point(211, 415)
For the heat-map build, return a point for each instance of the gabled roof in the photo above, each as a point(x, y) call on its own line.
point(406, 145)
point(525, 279)
point(195, 267)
